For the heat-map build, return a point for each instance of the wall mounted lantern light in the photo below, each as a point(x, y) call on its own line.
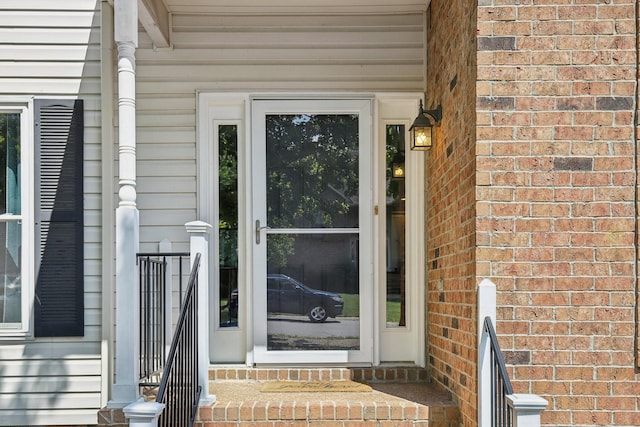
point(422, 127)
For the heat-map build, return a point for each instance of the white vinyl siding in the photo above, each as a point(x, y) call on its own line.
point(318, 53)
point(49, 53)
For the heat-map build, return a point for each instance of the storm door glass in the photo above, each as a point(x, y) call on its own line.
point(312, 234)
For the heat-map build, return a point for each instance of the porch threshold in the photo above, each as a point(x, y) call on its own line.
point(405, 401)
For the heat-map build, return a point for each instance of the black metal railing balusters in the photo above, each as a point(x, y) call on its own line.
point(155, 312)
point(501, 412)
point(179, 389)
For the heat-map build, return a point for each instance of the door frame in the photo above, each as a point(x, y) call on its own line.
point(228, 344)
point(225, 108)
point(392, 342)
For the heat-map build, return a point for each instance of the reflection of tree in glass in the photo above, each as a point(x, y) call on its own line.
point(9, 160)
point(312, 174)
point(228, 194)
point(394, 139)
point(312, 168)
point(395, 208)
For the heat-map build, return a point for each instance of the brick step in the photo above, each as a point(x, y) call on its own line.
point(399, 397)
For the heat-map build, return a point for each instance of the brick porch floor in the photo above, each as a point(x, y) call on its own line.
point(400, 397)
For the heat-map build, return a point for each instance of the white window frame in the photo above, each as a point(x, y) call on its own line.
point(25, 108)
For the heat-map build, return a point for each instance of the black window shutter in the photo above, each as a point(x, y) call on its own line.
point(59, 254)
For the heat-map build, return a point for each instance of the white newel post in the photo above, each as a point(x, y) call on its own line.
point(486, 307)
point(526, 409)
point(143, 414)
point(125, 389)
point(199, 243)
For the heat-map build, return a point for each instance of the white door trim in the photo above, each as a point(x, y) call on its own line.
point(226, 345)
point(402, 344)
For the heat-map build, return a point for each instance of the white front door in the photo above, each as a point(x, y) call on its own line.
point(312, 237)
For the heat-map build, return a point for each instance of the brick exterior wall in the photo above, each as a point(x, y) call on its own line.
point(556, 189)
point(451, 295)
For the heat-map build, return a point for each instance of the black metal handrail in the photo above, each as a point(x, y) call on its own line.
point(501, 412)
point(179, 389)
point(152, 271)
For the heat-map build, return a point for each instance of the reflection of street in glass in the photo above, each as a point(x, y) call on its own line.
point(288, 332)
point(286, 342)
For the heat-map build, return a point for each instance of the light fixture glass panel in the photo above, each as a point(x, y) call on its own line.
point(422, 137)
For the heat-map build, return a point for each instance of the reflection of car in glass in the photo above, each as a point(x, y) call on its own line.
point(287, 295)
point(231, 305)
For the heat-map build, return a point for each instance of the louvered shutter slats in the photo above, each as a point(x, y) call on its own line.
point(59, 305)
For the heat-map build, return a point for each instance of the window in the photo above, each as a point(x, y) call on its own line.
point(41, 219)
point(228, 224)
point(395, 225)
point(12, 311)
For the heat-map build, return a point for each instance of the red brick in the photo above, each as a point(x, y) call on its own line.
point(533, 225)
point(550, 239)
point(591, 358)
point(631, 418)
point(534, 195)
point(576, 283)
point(592, 418)
point(574, 402)
point(219, 412)
point(577, 12)
point(554, 269)
point(615, 374)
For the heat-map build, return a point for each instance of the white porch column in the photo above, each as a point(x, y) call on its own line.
point(127, 329)
point(486, 307)
point(199, 243)
point(526, 409)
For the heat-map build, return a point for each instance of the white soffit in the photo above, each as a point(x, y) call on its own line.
point(155, 15)
point(264, 7)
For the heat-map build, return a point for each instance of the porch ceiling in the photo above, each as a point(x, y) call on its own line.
point(294, 6)
point(155, 15)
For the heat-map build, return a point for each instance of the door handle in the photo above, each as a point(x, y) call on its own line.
point(259, 230)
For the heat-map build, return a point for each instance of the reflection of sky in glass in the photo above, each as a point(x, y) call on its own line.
point(303, 118)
